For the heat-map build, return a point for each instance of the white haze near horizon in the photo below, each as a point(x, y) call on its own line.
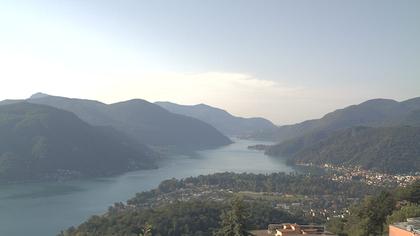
point(294, 60)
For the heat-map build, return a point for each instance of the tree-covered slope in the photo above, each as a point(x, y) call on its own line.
point(413, 118)
point(200, 205)
point(387, 149)
point(154, 125)
point(42, 142)
point(372, 113)
point(146, 122)
point(220, 119)
point(374, 214)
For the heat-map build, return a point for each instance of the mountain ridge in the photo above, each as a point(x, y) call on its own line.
point(39, 142)
point(144, 121)
point(374, 112)
point(221, 119)
point(386, 149)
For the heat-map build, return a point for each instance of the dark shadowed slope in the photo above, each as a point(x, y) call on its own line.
point(154, 125)
point(42, 142)
point(146, 122)
point(386, 149)
point(220, 119)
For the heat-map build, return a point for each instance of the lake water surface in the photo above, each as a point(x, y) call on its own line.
point(43, 209)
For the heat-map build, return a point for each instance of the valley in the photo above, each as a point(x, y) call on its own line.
point(210, 118)
point(70, 203)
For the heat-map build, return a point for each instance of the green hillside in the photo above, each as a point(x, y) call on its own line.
point(372, 113)
point(146, 122)
point(387, 149)
point(41, 142)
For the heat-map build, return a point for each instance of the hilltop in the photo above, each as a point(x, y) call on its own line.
point(144, 121)
point(222, 120)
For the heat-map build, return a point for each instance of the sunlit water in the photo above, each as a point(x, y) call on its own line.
point(43, 209)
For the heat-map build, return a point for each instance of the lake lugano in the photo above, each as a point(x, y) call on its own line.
point(43, 209)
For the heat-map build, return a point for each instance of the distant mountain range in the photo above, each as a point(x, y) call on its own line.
point(39, 142)
point(372, 113)
point(48, 137)
point(223, 121)
point(144, 121)
point(378, 134)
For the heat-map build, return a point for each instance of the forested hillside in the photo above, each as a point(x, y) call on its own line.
point(40, 142)
point(374, 213)
point(144, 121)
point(212, 204)
point(384, 149)
point(372, 113)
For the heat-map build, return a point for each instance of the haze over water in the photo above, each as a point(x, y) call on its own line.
point(62, 205)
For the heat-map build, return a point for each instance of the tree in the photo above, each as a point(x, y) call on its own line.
point(336, 225)
point(234, 221)
point(144, 230)
point(369, 218)
point(413, 192)
point(409, 211)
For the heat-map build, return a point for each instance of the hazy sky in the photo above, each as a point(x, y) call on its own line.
point(284, 60)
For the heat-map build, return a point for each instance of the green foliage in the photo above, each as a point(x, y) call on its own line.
point(169, 185)
point(208, 217)
point(146, 230)
point(193, 217)
point(374, 212)
point(234, 220)
point(337, 225)
point(372, 113)
point(180, 218)
point(40, 142)
point(261, 213)
point(409, 211)
point(410, 193)
point(366, 219)
point(385, 149)
point(281, 183)
point(143, 121)
point(373, 215)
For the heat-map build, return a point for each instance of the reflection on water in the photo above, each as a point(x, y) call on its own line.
point(46, 191)
point(42, 209)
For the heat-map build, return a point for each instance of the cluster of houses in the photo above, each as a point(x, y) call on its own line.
point(371, 177)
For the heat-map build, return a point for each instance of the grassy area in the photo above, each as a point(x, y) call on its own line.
point(272, 196)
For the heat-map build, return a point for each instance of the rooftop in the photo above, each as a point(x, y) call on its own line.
point(411, 225)
point(296, 229)
point(261, 232)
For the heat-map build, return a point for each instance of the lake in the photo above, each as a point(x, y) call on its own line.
point(43, 209)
